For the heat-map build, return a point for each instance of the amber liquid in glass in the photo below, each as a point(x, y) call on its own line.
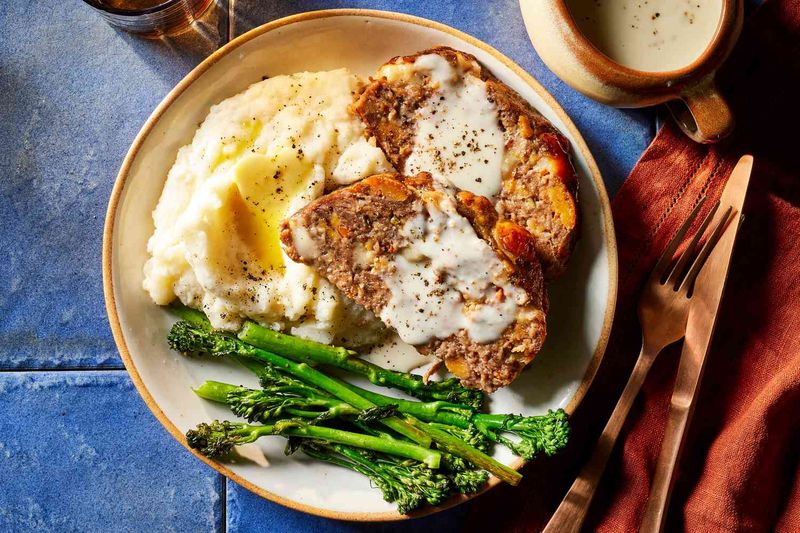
point(132, 4)
point(169, 17)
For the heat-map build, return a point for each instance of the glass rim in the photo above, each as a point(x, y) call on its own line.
point(166, 4)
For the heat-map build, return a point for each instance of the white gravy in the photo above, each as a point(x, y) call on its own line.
point(458, 138)
point(448, 279)
point(648, 35)
point(395, 354)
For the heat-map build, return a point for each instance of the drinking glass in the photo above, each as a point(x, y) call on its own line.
point(151, 18)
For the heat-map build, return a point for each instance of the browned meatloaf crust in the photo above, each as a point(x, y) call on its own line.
point(368, 216)
point(539, 189)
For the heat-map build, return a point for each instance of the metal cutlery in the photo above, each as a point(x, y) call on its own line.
point(702, 318)
point(663, 310)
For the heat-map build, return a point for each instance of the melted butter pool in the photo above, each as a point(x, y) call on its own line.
point(263, 189)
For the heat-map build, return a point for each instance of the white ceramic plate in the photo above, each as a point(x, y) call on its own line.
point(582, 302)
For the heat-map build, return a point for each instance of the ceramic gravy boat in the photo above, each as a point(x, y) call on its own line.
point(568, 52)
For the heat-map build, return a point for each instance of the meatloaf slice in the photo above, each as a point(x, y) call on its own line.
point(539, 185)
point(444, 272)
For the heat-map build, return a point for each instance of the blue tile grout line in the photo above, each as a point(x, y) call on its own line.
point(223, 503)
point(68, 440)
point(67, 369)
point(227, 8)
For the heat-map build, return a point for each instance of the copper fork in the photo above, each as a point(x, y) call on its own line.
point(663, 310)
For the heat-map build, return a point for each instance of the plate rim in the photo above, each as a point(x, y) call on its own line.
point(191, 77)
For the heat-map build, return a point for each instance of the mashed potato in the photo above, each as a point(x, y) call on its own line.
point(258, 157)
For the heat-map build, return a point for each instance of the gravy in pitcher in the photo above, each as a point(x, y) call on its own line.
point(648, 35)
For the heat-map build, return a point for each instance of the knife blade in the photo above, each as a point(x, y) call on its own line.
point(703, 312)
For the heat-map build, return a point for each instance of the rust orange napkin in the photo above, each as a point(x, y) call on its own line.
point(741, 467)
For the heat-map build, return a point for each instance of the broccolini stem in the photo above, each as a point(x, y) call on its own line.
point(369, 430)
point(311, 352)
point(547, 433)
point(392, 491)
point(445, 440)
point(448, 443)
point(428, 457)
point(218, 438)
point(435, 411)
point(187, 337)
point(193, 316)
point(264, 405)
point(317, 453)
point(406, 482)
point(432, 486)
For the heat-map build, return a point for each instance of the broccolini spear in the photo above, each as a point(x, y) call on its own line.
point(307, 351)
point(274, 402)
point(217, 439)
point(257, 406)
point(548, 433)
point(464, 447)
point(406, 482)
point(190, 338)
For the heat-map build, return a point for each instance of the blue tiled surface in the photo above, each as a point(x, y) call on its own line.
point(74, 94)
point(78, 448)
point(79, 451)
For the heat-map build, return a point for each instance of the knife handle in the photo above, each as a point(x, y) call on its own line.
point(572, 511)
point(680, 415)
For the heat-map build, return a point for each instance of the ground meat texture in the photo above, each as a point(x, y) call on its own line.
point(356, 231)
point(539, 186)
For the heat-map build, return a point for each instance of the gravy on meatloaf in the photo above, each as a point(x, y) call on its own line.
point(443, 271)
point(458, 137)
point(440, 111)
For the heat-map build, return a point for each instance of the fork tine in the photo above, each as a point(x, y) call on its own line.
point(666, 257)
point(681, 267)
point(694, 271)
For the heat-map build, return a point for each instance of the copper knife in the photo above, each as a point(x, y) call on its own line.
point(706, 299)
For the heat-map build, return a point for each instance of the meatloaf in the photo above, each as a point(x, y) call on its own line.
point(414, 103)
point(440, 268)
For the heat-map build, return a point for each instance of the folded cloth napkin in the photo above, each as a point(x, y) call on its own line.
point(740, 470)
